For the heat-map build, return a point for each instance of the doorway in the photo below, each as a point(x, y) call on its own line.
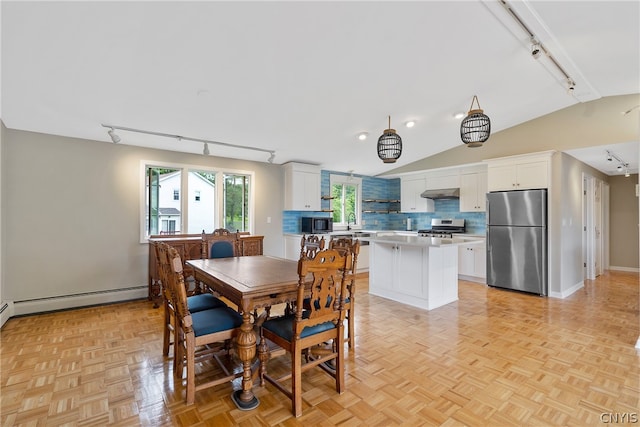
point(595, 226)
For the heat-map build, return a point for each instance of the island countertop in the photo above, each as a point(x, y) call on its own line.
point(423, 241)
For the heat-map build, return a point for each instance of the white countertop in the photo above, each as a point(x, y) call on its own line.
point(423, 241)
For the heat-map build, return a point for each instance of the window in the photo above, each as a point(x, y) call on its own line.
point(347, 194)
point(210, 207)
point(236, 202)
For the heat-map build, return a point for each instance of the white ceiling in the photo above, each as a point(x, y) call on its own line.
point(304, 78)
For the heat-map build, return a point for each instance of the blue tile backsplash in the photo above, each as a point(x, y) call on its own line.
point(388, 189)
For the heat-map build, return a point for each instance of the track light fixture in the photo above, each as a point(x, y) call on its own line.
point(622, 165)
point(115, 138)
point(537, 48)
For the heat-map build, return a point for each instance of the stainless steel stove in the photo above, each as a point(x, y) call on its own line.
point(443, 228)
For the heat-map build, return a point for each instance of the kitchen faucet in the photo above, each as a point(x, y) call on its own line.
point(351, 215)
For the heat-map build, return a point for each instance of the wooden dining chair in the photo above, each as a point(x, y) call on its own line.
point(311, 245)
point(199, 329)
point(349, 247)
point(195, 303)
point(321, 278)
point(220, 244)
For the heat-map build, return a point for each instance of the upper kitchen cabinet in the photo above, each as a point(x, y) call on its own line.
point(410, 189)
point(519, 172)
point(473, 192)
point(301, 187)
point(439, 182)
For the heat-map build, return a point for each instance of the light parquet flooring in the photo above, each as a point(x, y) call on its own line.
point(493, 358)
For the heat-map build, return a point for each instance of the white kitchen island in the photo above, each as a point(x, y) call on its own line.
point(415, 270)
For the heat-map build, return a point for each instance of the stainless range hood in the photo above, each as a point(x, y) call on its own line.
point(442, 193)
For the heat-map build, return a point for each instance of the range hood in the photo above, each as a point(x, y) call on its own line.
point(442, 193)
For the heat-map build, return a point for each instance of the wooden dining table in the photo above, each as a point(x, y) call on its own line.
point(250, 282)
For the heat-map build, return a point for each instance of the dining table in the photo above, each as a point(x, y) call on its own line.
point(250, 282)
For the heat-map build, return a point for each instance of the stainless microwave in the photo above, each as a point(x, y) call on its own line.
point(317, 225)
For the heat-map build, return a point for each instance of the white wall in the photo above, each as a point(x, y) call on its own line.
point(71, 213)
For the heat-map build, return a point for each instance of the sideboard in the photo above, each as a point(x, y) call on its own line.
point(189, 246)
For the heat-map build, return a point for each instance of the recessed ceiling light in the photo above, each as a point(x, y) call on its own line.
point(410, 123)
point(458, 115)
point(363, 135)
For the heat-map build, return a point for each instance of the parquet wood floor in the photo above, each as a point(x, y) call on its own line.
point(493, 358)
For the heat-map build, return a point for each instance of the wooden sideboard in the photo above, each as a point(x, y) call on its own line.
point(189, 246)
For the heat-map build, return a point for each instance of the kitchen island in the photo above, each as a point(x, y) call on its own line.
point(415, 270)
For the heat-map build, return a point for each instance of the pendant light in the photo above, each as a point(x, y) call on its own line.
point(476, 127)
point(389, 145)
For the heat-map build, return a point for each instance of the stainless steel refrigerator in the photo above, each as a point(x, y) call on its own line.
point(517, 240)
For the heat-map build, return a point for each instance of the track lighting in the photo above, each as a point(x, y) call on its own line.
point(535, 49)
point(115, 138)
point(622, 165)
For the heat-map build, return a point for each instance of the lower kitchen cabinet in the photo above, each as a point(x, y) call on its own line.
point(472, 262)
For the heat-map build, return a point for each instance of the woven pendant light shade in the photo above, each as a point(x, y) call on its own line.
point(476, 127)
point(389, 145)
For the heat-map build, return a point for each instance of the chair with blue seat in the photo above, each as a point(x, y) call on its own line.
point(195, 303)
point(321, 280)
point(220, 244)
point(202, 329)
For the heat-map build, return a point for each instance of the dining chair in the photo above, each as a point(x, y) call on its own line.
point(349, 247)
point(216, 326)
point(323, 279)
point(311, 245)
point(195, 303)
point(220, 244)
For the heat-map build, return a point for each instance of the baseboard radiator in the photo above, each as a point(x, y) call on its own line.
point(64, 302)
point(6, 311)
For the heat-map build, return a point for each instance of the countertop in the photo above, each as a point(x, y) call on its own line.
point(423, 241)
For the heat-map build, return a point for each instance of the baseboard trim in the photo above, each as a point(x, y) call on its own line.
point(6, 311)
point(628, 269)
point(481, 280)
point(65, 302)
point(564, 294)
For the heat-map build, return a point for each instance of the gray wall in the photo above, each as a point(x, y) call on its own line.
point(624, 211)
point(71, 212)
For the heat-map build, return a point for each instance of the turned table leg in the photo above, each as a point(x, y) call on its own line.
point(246, 342)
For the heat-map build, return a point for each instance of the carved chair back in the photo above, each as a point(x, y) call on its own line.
point(310, 246)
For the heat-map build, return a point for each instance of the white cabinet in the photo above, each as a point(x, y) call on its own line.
point(302, 187)
point(519, 172)
point(363, 258)
point(402, 268)
point(410, 200)
point(473, 192)
point(472, 261)
point(292, 246)
point(419, 275)
point(441, 182)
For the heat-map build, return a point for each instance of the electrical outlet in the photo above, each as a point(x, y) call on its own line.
point(268, 220)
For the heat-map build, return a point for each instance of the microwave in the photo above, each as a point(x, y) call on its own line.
point(317, 225)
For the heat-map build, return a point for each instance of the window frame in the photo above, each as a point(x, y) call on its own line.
point(348, 180)
point(185, 168)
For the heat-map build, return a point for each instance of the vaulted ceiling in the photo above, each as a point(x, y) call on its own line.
point(305, 78)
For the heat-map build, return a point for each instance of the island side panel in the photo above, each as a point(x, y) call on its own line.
point(443, 276)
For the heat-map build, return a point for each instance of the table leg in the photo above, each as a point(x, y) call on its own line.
point(246, 342)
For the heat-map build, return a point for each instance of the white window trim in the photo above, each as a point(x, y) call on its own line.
point(349, 180)
point(185, 168)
